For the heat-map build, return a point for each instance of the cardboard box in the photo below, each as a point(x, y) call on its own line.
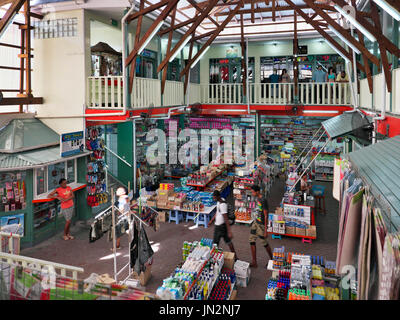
point(242, 269)
point(106, 279)
point(291, 230)
point(163, 216)
point(151, 203)
point(311, 231)
point(242, 281)
point(300, 231)
point(279, 211)
point(229, 260)
point(144, 276)
point(162, 198)
point(162, 204)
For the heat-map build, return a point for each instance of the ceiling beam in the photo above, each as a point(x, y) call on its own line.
point(8, 16)
point(163, 15)
point(20, 101)
point(252, 12)
point(193, 3)
point(277, 8)
point(188, 72)
point(192, 29)
point(343, 32)
point(216, 33)
point(147, 10)
point(393, 49)
point(137, 39)
point(394, 4)
point(223, 4)
point(177, 26)
point(323, 33)
point(273, 11)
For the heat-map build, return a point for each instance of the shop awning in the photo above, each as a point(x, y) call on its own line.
point(379, 165)
point(341, 125)
point(34, 159)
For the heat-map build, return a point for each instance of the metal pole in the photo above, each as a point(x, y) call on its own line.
point(309, 152)
point(113, 234)
point(355, 74)
point(134, 155)
point(247, 76)
point(311, 162)
point(307, 144)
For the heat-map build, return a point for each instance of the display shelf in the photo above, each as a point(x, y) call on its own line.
point(293, 235)
point(195, 281)
point(204, 185)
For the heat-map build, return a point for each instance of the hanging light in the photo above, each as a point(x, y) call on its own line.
point(155, 30)
point(179, 49)
point(355, 23)
point(199, 57)
point(388, 8)
point(339, 35)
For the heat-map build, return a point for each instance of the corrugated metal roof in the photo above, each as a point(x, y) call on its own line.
point(32, 159)
point(340, 125)
point(379, 165)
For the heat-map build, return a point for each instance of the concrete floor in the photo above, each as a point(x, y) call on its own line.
point(167, 243)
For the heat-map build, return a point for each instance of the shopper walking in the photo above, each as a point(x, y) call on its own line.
point(258, 228)
point(65, 194)
point(222, 228)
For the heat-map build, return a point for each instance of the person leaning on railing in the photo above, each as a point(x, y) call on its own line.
point(319, 76)
point(342, 78)
point(285, 78)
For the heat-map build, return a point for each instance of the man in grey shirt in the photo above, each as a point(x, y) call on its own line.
point(319, 76)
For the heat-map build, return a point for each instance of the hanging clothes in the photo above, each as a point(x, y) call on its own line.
point(141, 251)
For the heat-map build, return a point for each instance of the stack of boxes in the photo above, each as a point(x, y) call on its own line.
point(242, 270)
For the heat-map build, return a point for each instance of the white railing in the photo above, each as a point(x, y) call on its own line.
point(105, 92)
point(365, 95)
point(194, 93)
point(271, 93)
point(26, 262)
point(173, 93)
point(146, 91)
point(10, 242)
point(335, 93)
point(224, 93)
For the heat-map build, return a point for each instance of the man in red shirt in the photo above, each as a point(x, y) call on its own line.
point(66, 196)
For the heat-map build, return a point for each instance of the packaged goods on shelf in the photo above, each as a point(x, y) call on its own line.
point(242, 270)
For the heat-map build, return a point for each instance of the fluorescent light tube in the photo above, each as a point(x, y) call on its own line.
point(150, 37)
point(388, 8)
point(338, 51)
point(344, 39)
point(8, 23)
point(355, 23)
point(320, 111)
point(200, 56)
point(231, 110)
point(179, 49)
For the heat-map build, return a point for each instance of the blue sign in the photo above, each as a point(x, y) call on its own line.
point(71, 143)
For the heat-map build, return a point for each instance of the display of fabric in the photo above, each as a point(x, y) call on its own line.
point(100, 226)
point(389, 286)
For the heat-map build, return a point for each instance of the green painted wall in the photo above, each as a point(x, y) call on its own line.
point(125, 151)
point(83, 211)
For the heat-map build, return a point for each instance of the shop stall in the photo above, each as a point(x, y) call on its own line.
point(30, 168)
point(206, 273)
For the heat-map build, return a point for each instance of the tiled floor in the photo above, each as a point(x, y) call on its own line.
point(167, 243)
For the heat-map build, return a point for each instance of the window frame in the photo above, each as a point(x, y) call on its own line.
point(46, 187)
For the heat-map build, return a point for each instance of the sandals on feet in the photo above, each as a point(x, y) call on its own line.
point(65, 238)
point(70, 237)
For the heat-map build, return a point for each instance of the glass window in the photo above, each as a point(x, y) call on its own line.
point(71, 171)
point(54, 173)
point(40, 180)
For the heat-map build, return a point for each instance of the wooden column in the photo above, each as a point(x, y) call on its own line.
point(295, 62)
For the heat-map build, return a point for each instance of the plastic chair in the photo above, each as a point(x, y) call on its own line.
point(190, 216)
point(176, 216)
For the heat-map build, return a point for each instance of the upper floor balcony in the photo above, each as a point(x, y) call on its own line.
point(106, 92)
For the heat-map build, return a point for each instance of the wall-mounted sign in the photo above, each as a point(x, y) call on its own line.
point(71, 143)
point(232, 52)
point(12, 224)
